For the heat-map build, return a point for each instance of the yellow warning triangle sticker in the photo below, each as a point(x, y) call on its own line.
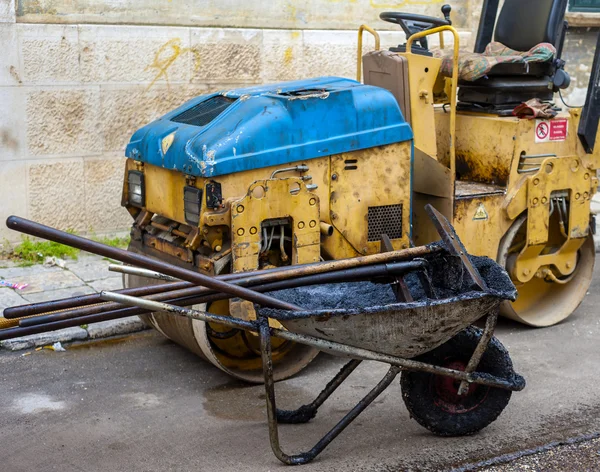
point(480, 213)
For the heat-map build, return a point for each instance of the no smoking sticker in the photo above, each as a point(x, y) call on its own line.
point(550, 130)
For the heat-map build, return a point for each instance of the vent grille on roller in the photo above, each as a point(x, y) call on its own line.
point(386, 219)
point(206, 111)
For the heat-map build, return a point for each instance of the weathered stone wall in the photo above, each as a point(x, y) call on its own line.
point(78, 77)
point(281, 14)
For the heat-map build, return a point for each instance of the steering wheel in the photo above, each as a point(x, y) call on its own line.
point(412, 23)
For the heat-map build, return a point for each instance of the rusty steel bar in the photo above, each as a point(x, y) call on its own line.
point(169, 229)
point(84, 300)
point(517, 383)
point(12, 333)
point(482, 346)
point(272, 412)
point(57, 321)
point(131, 270)
point(83, 312)
point(297, 271)
point(308, 411)
point(243, 279)
point(38, 230)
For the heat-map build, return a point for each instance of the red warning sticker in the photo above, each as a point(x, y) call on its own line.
point(550, 130)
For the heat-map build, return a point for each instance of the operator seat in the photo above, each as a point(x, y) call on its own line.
point(528, 27)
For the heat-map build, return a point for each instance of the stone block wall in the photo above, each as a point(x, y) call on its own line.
point(78, 78)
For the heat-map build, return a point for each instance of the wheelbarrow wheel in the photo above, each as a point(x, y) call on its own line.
point(432, 400)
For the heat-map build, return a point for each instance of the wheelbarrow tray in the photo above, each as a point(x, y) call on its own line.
point(367, 315)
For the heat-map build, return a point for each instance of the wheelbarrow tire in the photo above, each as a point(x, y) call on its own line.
point(432, 400)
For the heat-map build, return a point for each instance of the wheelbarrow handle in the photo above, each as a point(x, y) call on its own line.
point(515, 384)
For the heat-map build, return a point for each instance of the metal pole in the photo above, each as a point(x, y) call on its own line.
point(84, 300)
point(38, 230)
point(150, 274)
point(517, 383)
point(264, 284)
point(285, 272)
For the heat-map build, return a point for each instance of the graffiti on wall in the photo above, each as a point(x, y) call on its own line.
point(166, 55)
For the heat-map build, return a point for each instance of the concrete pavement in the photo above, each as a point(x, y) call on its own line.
point(142, 403)
point(88, 274)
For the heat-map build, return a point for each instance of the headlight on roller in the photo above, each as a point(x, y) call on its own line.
point(192, 202)
point(135, 184)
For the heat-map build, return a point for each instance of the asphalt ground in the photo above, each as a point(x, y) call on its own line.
point(142, 403)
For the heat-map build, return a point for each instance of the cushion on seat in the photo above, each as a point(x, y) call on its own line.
point(473, 66)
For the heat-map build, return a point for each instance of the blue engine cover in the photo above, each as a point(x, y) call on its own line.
point(269, 125)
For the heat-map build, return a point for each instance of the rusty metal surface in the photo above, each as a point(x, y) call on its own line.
point(515, 383)
point(195, 295)
point(84, 300)
point(453, 244)
point(287, 199)
point(469, 189)
point(479, 219)
point(35, 229)
point(363, 182)
point(167, 247)
point(408, 330)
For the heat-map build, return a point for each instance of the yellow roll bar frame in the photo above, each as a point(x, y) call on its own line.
point(453, 97)
point(375, 34)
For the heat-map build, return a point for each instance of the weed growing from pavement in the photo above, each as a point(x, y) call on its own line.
point(120, 242)
point(32, 252)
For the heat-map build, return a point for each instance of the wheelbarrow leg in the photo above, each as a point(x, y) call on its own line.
point(305, 457)
point(482, 345)
point(307, 412)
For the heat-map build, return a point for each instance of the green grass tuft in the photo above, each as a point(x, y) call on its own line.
point(117, 241)
point(32, 252)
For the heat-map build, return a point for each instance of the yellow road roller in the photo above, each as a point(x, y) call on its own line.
point(320, 169)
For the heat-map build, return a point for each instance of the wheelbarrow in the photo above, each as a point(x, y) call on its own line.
point(456, 379)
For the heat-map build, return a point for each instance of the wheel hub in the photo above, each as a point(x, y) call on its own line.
point(446, 391)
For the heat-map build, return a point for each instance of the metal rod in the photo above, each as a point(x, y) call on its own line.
point(36, 229)
point(482, 345)
point(517, 383)
point(307, 412)
point(305, 457)
point(169, 229)
point(84, 300)
point(535, 156)
point(408, 364)
point(301, 270)
point(131, 270)
point(271, 283)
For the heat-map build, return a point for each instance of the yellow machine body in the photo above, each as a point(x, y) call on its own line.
point(510, 197)
point(328, 221)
